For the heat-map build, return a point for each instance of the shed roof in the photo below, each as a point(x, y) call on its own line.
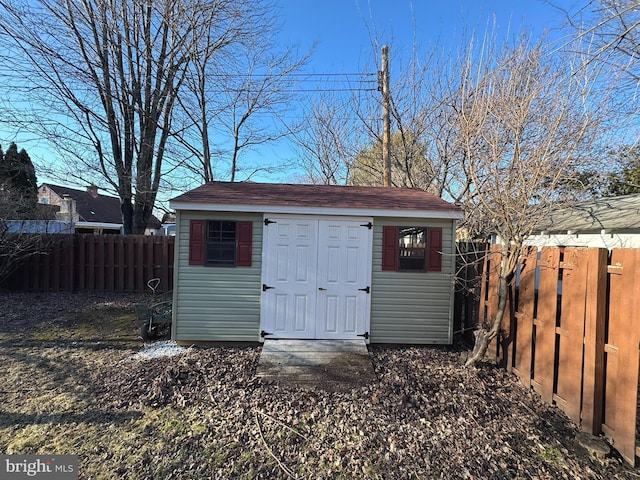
point(610, 213)
point(319, 199)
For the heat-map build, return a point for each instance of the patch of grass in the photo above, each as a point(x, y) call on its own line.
point(109, 324)
point(552, 455)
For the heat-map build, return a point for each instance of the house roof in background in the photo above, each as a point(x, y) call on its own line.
point(302, 198)
point(98, 209)
point(610, 213)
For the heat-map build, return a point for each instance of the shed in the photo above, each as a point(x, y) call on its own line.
point(260, 260)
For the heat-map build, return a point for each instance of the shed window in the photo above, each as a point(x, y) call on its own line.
point(412, 249)
point(220, 243)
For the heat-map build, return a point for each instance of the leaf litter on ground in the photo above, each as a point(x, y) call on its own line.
point(178, 412)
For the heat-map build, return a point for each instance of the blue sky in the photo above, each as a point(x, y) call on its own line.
point(344, 29)
point(340, 26)
point(343, 32)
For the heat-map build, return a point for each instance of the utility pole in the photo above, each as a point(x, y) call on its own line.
point(386, 124)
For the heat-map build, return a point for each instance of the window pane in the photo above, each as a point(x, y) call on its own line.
point(221, 243)
point(412, 248)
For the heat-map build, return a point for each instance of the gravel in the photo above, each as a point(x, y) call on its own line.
point(167, 348)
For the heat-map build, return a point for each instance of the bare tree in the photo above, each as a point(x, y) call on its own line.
point(237, 96)
point(21, 237)
point(256, 102)
point(343, 135)
point(609, 34)
point(106, 77)
point(328, 140)
point(526, 129)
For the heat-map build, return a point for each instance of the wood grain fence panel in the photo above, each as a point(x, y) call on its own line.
point(164, 266)
point(489, 306)
point(80, 259)
point(109, 264)
point(86, 262)
point(138, 264)
point(99, 264)
point(594, 330)
point(149, 261)
point(622, 343)
point(119, 260)
point(57, 272)
point(570, 332)
point(545, 340)
point(71, 266)
point(44, 279)
point(129, 259)
point(524, 317)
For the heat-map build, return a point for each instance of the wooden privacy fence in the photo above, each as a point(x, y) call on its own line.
point(572, 333)
point(98, 263)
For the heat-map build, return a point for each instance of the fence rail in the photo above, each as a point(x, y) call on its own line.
point(98, 263)
point(572, 333)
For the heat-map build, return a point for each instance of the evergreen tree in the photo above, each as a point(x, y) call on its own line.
point(3, 171)
point(626, 181)
point(18, 181)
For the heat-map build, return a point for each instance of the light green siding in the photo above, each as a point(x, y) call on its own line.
point(412, 307)
point(216, 303)
point(223, 304)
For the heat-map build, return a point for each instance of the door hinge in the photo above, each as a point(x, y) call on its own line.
point(267, 221)
point(266, 287)
point(365, 335)
point(264, 334)
point(368, 225)
point(365, 289)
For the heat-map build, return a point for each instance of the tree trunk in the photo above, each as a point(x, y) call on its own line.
point(127, 216)
point(486, 333)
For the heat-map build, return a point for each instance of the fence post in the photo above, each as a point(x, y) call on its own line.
point(594, 329)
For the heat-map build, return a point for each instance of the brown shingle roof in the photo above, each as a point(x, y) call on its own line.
point(315, 196)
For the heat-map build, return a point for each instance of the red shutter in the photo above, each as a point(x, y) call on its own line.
point(435, 250)
point(196, 242)
point(244, 231)
point(390, 248)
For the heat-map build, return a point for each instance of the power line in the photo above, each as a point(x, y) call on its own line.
point(240, 75)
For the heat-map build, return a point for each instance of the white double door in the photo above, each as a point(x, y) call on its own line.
point(316, 277)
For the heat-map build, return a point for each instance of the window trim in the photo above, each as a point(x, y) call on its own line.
point(391, 249)
point(198, 243)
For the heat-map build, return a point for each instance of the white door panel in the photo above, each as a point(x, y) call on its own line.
point(315, 273)
point(344, 268)
point(289, 277)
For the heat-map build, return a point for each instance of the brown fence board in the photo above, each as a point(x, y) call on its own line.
point(570, 331)
point(110, 263)
point(545, 338)
point(523, 341)
point(594, 329)
point(489, 294)
point(622, 352)
point(576, 337)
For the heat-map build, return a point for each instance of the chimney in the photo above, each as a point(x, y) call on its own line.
point(93, 190)
point(67, 211)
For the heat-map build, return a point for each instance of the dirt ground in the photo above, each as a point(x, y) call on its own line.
point(72, 381)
